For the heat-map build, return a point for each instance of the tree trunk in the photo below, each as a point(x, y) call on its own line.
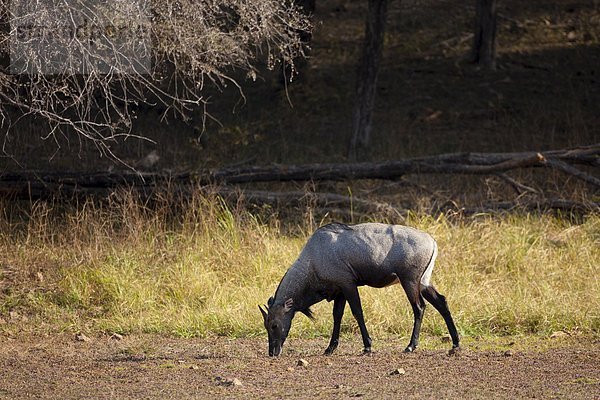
point(484, 43)
point(366, 79)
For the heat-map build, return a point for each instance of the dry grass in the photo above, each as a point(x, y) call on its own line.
point(202, 267)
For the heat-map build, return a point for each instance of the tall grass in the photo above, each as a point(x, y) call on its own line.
point(201, 268)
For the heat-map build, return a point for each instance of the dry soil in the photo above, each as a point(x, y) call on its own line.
point(156, 367)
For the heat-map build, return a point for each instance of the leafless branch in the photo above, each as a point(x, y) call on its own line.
point(84, 66)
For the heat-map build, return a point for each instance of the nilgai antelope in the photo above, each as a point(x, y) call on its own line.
point(339, 258)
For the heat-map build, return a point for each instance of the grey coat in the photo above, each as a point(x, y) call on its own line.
point(369, 254)
point(337, 259)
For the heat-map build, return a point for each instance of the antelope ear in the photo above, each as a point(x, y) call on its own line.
point(288, 305)
point(264, 313)
point(271, 301)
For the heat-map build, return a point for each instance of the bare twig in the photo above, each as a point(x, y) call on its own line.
point(130, 53)
point(519, 187)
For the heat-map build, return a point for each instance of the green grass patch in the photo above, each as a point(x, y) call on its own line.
point(202, 268)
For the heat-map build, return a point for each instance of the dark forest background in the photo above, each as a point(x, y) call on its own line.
point(544, 94)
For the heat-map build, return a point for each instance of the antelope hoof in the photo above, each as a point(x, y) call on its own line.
point(366, 351)
point(410, 348)
point(329, 351)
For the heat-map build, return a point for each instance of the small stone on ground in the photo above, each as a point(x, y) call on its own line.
point(302, 362)
point(80, 337)
point(228, 381)
point(398, 371)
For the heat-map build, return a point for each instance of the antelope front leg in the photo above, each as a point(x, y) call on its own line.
point(339, 303)
point(418, 305)
point(353, 298)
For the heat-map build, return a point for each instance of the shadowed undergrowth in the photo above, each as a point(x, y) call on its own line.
point(201, 267)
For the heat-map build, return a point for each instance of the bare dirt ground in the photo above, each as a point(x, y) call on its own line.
point(158, 367)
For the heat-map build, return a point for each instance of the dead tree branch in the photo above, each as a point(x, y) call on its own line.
point(39, 184)
point(518, 186)
point(456, 163)
point(568, 169)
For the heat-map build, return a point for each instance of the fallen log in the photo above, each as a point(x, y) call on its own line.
point(456, 163)
point(41, 184)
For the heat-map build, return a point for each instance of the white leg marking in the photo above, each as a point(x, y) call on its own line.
point(427, 274)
